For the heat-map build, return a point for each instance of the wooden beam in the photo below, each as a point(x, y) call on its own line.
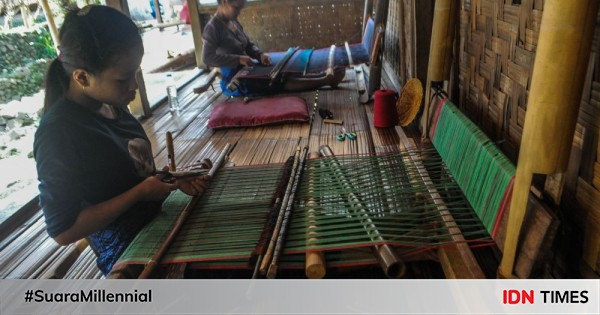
point(139, 106)
point(51, 23)
point(193, 7)
point(440, 53)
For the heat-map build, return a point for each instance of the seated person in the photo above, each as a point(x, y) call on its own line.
point(94, 160)
point(227, 46)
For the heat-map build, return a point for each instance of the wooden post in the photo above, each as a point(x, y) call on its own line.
point(367, 14)
point(381, 13)
point(140, 106)
point(51, 23)
point(556, 85)
point(196, 31)
point(157, 11)
point(440, 52)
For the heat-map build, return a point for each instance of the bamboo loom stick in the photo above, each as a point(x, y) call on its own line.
point(272, 243)
point(468, 264)
point(155, 260)
point(566, 31)
point(387, 257)
point(269, 228)
point(170, 152)
point(272, 272)
point(314, 260)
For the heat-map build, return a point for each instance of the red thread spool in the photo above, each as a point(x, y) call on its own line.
point(384, 109)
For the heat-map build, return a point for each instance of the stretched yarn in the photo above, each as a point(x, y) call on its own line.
point(481, 170)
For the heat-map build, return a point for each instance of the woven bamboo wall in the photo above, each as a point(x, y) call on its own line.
point(497, 49)
point(276, 25)
point(586, 159)
point(407, 38)
point(496, 46)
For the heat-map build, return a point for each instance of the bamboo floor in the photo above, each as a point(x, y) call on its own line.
point(273, 143)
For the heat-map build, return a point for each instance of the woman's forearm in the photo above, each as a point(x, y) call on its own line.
point(98, 216)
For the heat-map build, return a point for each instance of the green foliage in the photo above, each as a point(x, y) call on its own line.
point(23, 60)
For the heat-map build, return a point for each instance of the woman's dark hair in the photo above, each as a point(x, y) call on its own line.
point(91, 38)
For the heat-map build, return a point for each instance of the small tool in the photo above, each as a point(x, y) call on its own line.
point(333, 121)
point(350, 134)
point(170, 176)
point(344, 133)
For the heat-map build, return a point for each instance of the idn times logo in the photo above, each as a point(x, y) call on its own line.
point(544, 296)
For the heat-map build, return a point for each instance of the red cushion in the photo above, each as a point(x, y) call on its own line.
point(263, 111)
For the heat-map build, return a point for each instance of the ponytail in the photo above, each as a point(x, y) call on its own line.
point(56, 83)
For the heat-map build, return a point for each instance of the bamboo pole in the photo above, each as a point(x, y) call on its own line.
point(193, 8)
point(264, 266)
point(51, 23)
point(274, 265)
point(440, 52)
point(156, 258)
point(314, 260)
point(556, 85)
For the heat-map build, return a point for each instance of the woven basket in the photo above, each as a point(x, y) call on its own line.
point(409, 102)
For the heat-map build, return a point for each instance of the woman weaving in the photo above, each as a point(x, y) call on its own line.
point(94, 161)
point(227, 46)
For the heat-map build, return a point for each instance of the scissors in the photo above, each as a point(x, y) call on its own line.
point(344, 133)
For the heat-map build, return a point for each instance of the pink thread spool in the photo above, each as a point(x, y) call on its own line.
point(384, 109)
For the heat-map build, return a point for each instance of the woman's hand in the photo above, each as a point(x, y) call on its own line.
point(194, 185)
point(265, 59)
point(153, 188)
point(246, 61)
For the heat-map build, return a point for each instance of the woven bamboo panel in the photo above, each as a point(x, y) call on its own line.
point(400, 47)
point(276, 25)
point(496, 50)
point(589, 116)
